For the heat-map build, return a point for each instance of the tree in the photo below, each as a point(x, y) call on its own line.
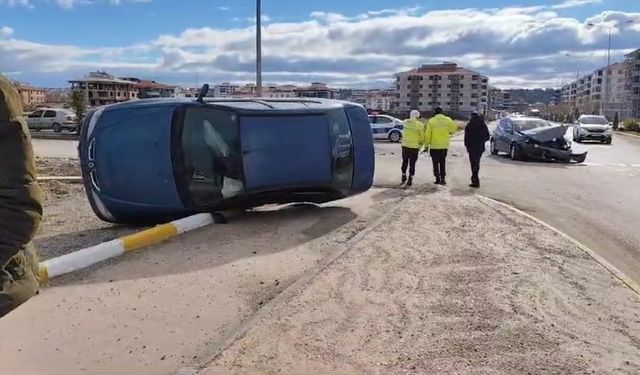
point(616, 121)
point(79, 105)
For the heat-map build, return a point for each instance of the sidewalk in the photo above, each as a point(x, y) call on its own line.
point(449, 285)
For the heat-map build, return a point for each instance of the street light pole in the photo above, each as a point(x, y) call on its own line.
point(258, 49)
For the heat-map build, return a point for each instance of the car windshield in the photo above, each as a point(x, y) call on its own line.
point(594, 120)
point(528, 124)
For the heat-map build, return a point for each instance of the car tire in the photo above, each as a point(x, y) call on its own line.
point(492, 147)
point(515, 153)
point(57, 127)
point(395, 137)
point(607, 142)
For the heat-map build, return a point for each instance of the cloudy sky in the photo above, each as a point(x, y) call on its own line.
point(355, 43)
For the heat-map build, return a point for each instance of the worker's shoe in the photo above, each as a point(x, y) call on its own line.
point(404, 178)
point(410, 181)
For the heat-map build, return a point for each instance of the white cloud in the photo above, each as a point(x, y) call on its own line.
point(575, 3)
point(11, 3)
point(5, 31)
point(224, 8)
point(514, 46)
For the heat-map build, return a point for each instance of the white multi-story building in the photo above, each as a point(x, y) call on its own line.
point(454, 89)
point(603, 91)
point(224, 90)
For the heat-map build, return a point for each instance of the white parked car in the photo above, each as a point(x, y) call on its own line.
point(592, 128)
point(386, 127)
point(56, 119)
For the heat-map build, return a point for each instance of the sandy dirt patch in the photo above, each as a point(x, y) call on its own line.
point(57, 167)
point(449, 285)
point(170, 306)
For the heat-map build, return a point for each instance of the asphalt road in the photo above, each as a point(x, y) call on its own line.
point(595, 202)
point(55, 148)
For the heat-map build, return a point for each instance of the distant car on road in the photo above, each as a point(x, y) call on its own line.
point(386, 127)
point(533, 138)
point(592, 128)
point(157, 159)
point(55, 119)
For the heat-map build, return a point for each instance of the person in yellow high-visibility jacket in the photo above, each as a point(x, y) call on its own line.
point(412, 141)
point(436, 140)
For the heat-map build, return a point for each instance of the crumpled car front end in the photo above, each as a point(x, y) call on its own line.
point(550, 144)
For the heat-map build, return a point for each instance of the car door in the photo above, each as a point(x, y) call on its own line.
point(34, 120)
point(375, 127)
point(386, 124)
point(503, 141)
point(48, 119)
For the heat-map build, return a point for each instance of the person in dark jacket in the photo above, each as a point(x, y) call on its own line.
point(20, 204)
point(476, 135)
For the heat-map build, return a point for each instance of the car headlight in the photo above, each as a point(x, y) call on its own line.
point(609, 131)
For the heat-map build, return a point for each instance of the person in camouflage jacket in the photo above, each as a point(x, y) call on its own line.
point(20, 204)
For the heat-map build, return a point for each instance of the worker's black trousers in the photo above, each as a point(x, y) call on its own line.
point(474, 160)
point(439, 159)
point(409, 159)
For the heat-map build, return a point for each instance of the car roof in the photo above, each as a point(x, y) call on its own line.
point(525, 118)
point(591, 116)
point(243, 104)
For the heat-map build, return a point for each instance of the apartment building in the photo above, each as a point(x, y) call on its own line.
point(500, 100)
point(151, 89)
point(31, 96)
point(283, 91)
point(101, 88)
point(455, 89)
point(605, 91)
point(632, 84)
point(316, 90)
point(224, 90)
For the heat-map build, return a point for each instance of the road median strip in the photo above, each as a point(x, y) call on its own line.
point(87, 257)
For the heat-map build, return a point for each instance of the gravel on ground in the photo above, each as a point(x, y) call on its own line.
point(449, 285)
point(68, 222)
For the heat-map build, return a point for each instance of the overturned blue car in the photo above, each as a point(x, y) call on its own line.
point(154, 160)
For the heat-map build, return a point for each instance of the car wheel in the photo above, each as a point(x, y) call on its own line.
point(57, 127)
point(395, 136)
point(607, 142)
point(492, 147)
point(515, 152)
point(581, 159)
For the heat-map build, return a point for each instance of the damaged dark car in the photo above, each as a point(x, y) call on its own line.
point(527, 138)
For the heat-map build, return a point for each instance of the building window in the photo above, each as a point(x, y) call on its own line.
point(449, 94)
point(420, 104)
point(421, 86)
point(408, 104)
point(439, 95)
point(408, 95)
point(474, 78)
point(408, 87)
point(439, 86)
point(420, 95)
point(474, 104)
point(398, 87)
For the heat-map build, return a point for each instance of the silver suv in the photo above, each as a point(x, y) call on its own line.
point(592, 128)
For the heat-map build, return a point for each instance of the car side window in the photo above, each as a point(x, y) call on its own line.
point(373, 119)
point(384, 120)
point(50, 114)
point(36, 114)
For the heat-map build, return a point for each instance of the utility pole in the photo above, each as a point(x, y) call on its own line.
point(258, 49)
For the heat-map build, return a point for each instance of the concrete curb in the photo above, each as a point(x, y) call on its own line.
point(60, 178)
point(628, 134)
point(95, 254)
point(54, 136)
point(603, 262)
